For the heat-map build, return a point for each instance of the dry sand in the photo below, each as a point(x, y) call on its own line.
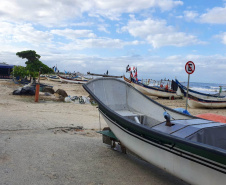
point(40, 143)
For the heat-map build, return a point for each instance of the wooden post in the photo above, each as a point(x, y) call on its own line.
point(37, 92)
point(37, 87)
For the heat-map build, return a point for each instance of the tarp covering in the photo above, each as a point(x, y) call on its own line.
point(213, 117)
point(6, 66)
point(214, 136)
point(5, 70)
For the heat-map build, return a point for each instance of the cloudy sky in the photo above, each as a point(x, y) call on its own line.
point(158, 37)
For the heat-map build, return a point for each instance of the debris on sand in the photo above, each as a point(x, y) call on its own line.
point(26, 90)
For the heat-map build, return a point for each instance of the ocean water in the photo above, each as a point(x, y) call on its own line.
point(210, 88)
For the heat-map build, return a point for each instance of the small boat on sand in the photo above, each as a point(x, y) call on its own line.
point(152, 90)
point(197, 94)
point(202, 100)
point(73, 80)
point(104, 75)
point(206, 102)
point(53, 78)
point(191, 148)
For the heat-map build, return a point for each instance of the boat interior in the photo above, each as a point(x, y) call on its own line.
point(198, 130)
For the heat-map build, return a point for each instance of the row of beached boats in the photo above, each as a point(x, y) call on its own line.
point(172, 90)
point(162, 92)
point(60, 78)
point(77, 79)
point(189, 147)
point(195, 99)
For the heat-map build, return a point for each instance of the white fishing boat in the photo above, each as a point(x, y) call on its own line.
point(161, 92)
point(183, 91)
point(53, 78)
point(206, 102)
point(188, 147)
point(202, 100)
point(73, 80)
point(104, 75)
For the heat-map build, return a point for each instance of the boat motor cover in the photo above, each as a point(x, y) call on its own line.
point(213, 136)
point(198, 130)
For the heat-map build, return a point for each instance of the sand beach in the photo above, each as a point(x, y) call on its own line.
point(53, 142)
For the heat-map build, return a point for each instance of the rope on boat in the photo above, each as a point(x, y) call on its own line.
point(99, 122)
point(168, 113)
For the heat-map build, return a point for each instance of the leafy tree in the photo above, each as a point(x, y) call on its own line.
point(45, 69)
point(20, 71)
point(33, 64)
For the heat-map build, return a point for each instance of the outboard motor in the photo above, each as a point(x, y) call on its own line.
point(167, 117)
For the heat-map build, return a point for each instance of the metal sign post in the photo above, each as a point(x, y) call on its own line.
point(187, 92)
point(189, 68)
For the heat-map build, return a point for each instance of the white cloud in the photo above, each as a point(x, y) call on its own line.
point(16, 37)
point(173, 57)
point(82, 24)
point(15, 33)
point(222, 36)
point(103, 27)
point(74, 34)
point(42, 12)
point(174, 66)
point(158, 34)
point(215, 15)
point(190, 15)
point(80, 44)
point(54, 12)
point(167, 5)
point(114, 9)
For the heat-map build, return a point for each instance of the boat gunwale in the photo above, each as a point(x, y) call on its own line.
point(210, 152)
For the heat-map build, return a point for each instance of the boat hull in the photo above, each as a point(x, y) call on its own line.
point(196, 93)
point(202, 100)
point(184, 167)
point(104, 75)
point(158, 93)
point(193, 103)
point(53, 79)
point(148, 90)
point(76, 81)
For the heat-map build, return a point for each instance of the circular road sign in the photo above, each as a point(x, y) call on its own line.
point(190, 67)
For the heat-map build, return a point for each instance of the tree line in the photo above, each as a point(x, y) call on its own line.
point(33, 65)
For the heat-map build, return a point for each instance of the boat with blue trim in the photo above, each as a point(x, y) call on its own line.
point(161, 92)
point(202, 100)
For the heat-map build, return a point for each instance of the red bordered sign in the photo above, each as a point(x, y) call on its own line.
point(190, 67)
